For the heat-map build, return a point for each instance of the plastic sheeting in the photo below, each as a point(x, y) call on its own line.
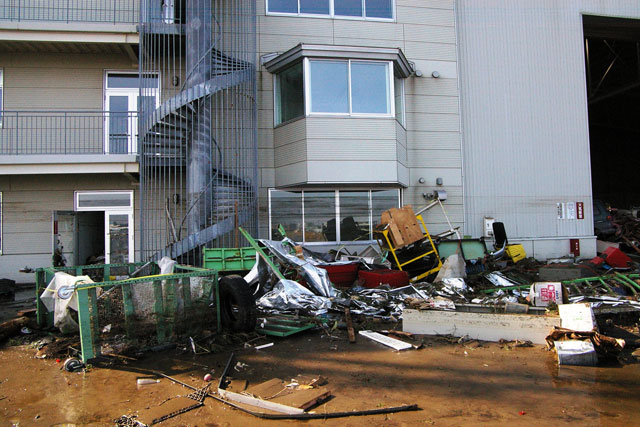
point(290, 295)
point(315, 277)
point(62, 318)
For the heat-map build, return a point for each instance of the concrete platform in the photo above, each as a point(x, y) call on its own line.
point(480, 326)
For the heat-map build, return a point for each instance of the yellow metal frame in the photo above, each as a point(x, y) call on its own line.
point(389, 246)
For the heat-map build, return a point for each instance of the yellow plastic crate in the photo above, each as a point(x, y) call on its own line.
point(516, 252)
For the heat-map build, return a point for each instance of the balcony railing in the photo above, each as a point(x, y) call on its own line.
point(105, 11)
point(68, 132)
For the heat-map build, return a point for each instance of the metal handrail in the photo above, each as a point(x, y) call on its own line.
point(106, 11)
point(29, 132)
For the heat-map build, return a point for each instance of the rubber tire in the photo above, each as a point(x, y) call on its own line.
point(237, 305)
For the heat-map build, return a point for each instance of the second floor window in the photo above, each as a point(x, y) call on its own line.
point(362, 9)
point(338, 87)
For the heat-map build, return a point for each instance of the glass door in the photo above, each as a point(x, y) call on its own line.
point(120, 125)
point(119, 237)
point(122, 104)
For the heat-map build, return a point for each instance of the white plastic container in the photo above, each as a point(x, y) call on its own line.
point(574, 352)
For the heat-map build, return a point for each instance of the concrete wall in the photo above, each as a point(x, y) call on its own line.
point(425, 31)
point(27, 205)
point(525, 124)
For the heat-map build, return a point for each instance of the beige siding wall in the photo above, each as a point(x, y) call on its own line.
point(430, 147)
point(27, 205)
point(55, 81)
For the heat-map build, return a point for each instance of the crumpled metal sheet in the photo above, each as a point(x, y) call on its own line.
point(290, 295)
point(315, 277)
point(499, 279)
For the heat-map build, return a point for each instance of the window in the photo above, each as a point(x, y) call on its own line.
point(123, 101)
point(350, 87)
point(398, 93)
point(289, 94)
point(362, 9)
point(101, 200)
point(318, 79)
point(329, 216)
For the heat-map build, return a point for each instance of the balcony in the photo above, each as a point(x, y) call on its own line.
point(68, 142)
point(97, 11)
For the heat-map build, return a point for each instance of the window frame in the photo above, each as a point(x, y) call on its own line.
point(77, 194)
point(308, 101)
point(277, 113)
point(337, 211)
point(332, 14)
point(308, 82)
point(132, 95)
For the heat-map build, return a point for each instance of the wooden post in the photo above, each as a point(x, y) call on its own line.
point(350, 330)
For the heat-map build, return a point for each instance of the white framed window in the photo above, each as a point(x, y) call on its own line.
point(379, 10)
point(338, 87)
point(102, 200)
point(329, 215)
point(122, 102)
point(118, 221)
point(350, 87)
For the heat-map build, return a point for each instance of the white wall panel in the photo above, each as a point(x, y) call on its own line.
point(525, 125)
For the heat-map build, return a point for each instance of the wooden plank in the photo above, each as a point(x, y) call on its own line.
point(275, 390)
point(350, 330)
point(127, 300)
point(389, 342)
point(260, 403)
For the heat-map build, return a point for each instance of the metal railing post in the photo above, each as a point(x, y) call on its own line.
point(65, 131)
point(17, 131)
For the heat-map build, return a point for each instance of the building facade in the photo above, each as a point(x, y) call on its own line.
point(68, 150)
point(352, 107)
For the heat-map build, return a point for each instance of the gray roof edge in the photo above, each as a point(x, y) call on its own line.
point(302, 50)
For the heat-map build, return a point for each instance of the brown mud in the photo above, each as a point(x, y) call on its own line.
point(454, 384)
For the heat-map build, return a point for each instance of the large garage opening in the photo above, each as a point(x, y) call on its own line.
point(612, 54)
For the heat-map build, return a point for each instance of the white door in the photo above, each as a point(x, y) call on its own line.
point(118, 237)
point(122, 103)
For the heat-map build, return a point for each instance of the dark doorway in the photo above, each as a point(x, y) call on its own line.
point(612, 53)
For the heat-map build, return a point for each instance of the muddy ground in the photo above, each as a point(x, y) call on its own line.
point(453, 384)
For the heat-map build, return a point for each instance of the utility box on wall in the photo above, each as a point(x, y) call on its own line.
point(488, 226)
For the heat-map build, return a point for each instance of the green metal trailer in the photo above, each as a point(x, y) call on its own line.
point(176, 302)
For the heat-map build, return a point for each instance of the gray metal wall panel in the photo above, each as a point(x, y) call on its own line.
point(525, 127)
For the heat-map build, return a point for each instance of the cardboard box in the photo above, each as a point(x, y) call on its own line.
point(577, 317)
point(543, 293)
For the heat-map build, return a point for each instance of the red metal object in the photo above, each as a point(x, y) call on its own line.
point(614, 257)
point(342, 274)
point(574, 246)
point(375, 278)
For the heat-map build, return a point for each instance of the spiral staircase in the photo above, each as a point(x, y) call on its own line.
point(172, 137)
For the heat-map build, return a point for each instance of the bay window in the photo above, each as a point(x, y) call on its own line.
point(338, 80)
point(329, 216)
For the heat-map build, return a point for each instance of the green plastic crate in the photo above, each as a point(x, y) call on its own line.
point(229, 259)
